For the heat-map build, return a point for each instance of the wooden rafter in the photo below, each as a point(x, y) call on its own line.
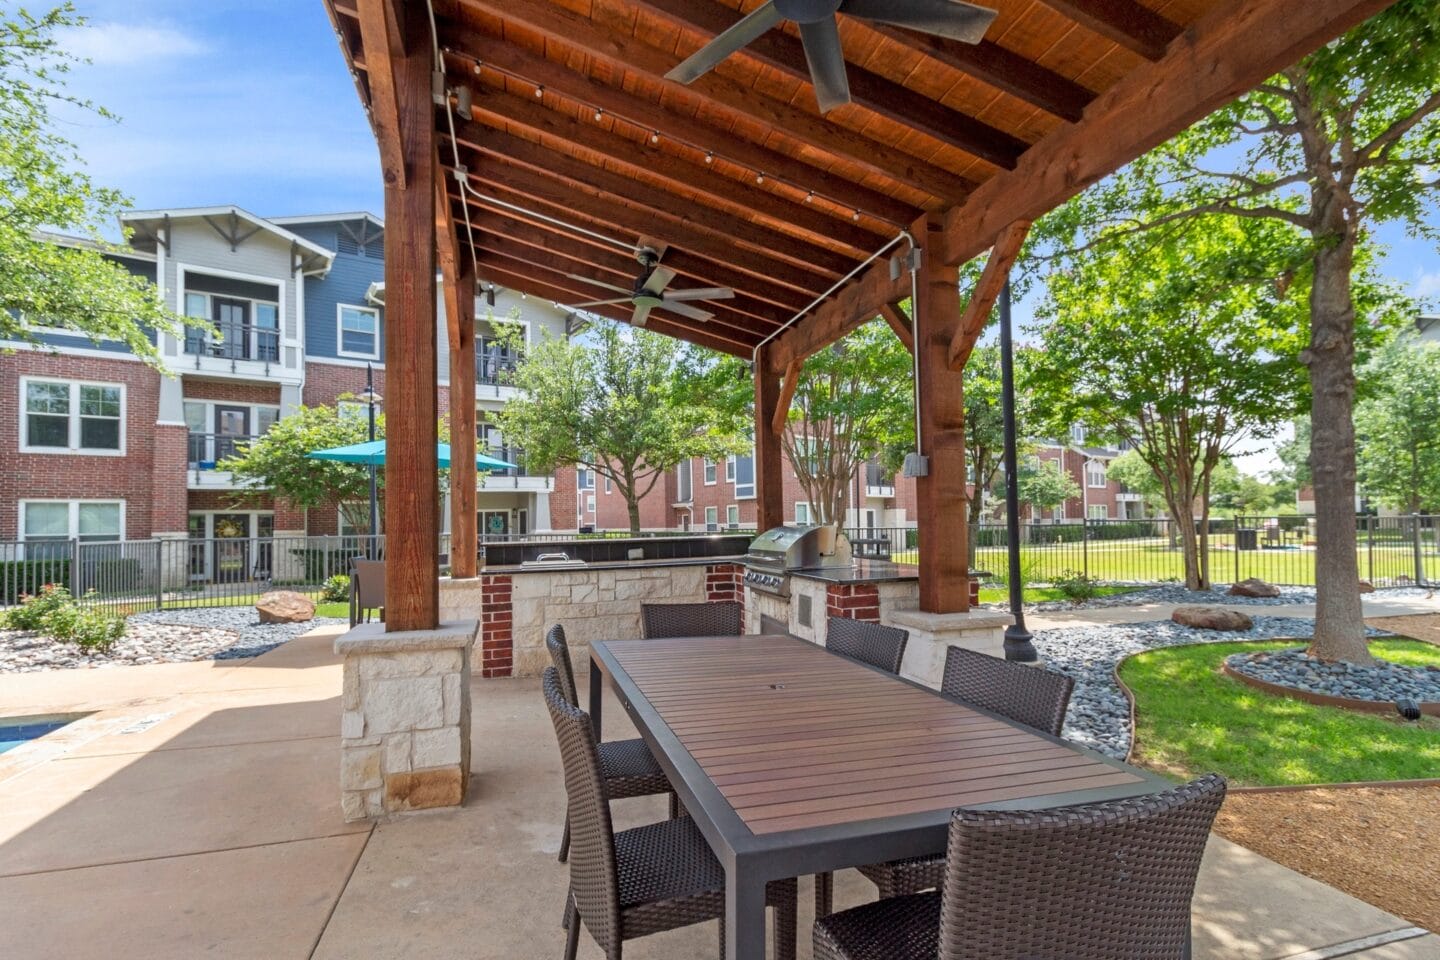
point(1128, 23)
point(384, 46)
point(900, 323)
point(857, 302)
point(992, 281)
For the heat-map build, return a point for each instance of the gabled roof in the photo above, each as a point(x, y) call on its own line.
point(314, 259)
point(307, 218)
point(85, 243)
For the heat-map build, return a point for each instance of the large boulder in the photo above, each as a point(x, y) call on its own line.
point(285, 606)
point(1366, 586)
point(1254, 587)
point(1211, 618)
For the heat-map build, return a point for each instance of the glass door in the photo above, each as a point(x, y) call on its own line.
point(232, 319)
point(231, 547)
point(232, 424)
point(494, 523)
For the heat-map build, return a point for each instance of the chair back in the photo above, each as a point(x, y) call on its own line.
point(594, 881)
point(560, 657)
point(871, 643)
point(721, 619)
point(367, 588)
point(1033, 696)
point(1101, 881)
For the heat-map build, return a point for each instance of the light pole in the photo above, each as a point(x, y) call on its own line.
point(1018, 645)
point(371, 398)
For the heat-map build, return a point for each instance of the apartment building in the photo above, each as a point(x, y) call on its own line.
point(1101, 498)
point(100, 446)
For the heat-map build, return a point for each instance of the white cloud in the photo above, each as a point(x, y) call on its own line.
point(1427, 284)
point(124, 44)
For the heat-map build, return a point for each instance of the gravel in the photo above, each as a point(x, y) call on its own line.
point(1099, 714)
point(1175, 593)
point(1385, 682)
point(164, 636)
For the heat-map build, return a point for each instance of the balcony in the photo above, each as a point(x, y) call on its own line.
point(878, 483)
point(206, 451)
point(516, 478)
point(495, 365)
point(243, 348)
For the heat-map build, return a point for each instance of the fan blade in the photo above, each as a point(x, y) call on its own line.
point(740, 34)
point(703, 293)
point(658, 280)
point(687, 311)
point(598, 303)
point(599, 283)
point(955, 19)
point(823, 53)
point(640, 315)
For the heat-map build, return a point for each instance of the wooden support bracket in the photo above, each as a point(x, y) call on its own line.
point(992, 281)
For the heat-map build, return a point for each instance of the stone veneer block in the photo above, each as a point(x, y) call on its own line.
point(405, 725)
point(932, 634)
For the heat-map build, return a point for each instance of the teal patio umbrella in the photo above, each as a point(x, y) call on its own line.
point(372, 454)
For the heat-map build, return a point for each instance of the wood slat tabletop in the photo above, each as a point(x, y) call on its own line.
point(795, 737)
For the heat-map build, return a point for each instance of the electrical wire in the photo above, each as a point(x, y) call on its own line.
point(454, 145)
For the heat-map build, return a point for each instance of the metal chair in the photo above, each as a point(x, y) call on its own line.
point(720, 619)
point(871, 643)
point(367, 590)
point(1101, 881)
point(1033, 696)
point(642, 881)
point(628, 767)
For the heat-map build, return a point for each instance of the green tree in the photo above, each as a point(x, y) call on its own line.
point(985, 424)
point(1181, 344)
point(1398, 422)
point(1347, 137)
point(1294, 456)
point(44, 284)
point(618, 405)
point(1044, 484)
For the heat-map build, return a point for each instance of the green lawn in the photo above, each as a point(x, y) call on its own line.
point(1192, 719)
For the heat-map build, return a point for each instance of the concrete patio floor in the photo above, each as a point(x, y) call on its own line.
point(195, 812)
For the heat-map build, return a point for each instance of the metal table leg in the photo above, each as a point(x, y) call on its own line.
point(597, 697)
point(744, 915)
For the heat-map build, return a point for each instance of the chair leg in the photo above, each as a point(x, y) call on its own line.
point(721, 954)
point(572, 936)
point(569, 912)
point(824, 894)
point(786, 920)
point(565, 842)
point(677, 809)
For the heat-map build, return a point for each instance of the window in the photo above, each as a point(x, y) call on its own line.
point(1077, 433)
point(802, 514)
point(244, 318)
point(1095, 474)
point(712, 518)
point(709, 473)
point(359, 332)
point(608, 489)
point(683, 490)
point(73, 417)
point(1098, 511)
point(729, 469)
point(585, 480)
point(732, 517)
point(88, 520)
point(745, 477)
point(589, 504)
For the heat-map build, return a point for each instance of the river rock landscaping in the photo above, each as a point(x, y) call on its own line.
point(162, 636)
point(1178, 593)
point(1384, 682)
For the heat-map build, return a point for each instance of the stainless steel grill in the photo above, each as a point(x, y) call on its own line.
point(777, 552)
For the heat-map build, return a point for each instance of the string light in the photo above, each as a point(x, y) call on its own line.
point(709, 157)
point(809, 195)
point(759, 178)
point(540, 91)
point(855, 216)
point(655, 136)
point(599, 114)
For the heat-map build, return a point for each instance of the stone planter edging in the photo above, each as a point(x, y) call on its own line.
point(1429, 708)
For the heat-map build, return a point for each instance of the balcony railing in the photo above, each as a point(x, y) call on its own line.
point(236, 342)
point(208, 449)
point(511, 455)
point(494, 363)
point(878, 483)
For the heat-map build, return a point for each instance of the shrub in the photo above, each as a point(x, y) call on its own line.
point(1077, 586)
point(37, 608)
point(54, 612)
point(336, 589)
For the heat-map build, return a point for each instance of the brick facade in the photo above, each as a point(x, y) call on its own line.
point(858, 601)
point(497, 638)
point(327, 382)
point(231, 391)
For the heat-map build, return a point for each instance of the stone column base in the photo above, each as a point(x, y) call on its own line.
point(932, 634)
point(405, 730)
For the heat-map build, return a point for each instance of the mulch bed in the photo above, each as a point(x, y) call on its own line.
point(1419, 626)
point(1379, 844)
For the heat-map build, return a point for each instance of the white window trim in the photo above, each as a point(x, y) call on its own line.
point(74, 435)
point(1077, 428)
point(73, 522)
point(1090, 477)
point(712, 519)
point(809, 515)
point(732, 509)
point(340, 350)
point(709, 472)
point(183, 269)
point(1098, 508)
point(729, 469)
point(608, 488)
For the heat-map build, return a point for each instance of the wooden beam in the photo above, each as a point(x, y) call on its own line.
point(716, 91)
point(412, 520)
point(895, 315)
point(383, 50)
point(992, 281)
point(497, 110)
point(564, 200)
point(552, 163)
point(559, 81)
point(1128, 23)
point(780, 51)
point(941, 495)
point(769, 465)
point(856, 303)
point(464, 539)
point(1235, 46)
point(787, 394)
point(998, 67)
point(752, 296)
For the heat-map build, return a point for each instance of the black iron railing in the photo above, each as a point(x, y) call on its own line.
point(206, 450)
point(239, 341)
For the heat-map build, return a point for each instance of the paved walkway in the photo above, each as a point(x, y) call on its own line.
point(195, 812)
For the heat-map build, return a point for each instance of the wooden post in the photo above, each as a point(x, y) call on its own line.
point(769, 485)
point(941, 495)
point(464, 544)
point(412, 588)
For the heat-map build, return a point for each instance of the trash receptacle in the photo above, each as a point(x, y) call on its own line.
point(1247, 538)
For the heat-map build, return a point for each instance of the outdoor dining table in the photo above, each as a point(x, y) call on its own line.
point(793, 760)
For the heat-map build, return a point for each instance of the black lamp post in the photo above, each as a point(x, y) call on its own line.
point(1018, 645)
point(371, 398)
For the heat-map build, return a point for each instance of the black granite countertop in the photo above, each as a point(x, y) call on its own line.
point(863, 571)
point(513, 568)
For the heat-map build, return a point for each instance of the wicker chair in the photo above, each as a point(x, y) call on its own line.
point(642, 881)
point(627, 766)
point(367, 590)
point(1101, 881)
point(1030, 695)
point(721, 619)
point(882, 647)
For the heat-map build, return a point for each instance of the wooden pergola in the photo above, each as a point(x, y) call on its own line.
point(519, 139)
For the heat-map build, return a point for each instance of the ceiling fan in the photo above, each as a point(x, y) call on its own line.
point(649, 291)
point(820, 35)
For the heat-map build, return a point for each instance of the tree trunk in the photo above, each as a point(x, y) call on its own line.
point(1339, 624)
point(633, 505)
